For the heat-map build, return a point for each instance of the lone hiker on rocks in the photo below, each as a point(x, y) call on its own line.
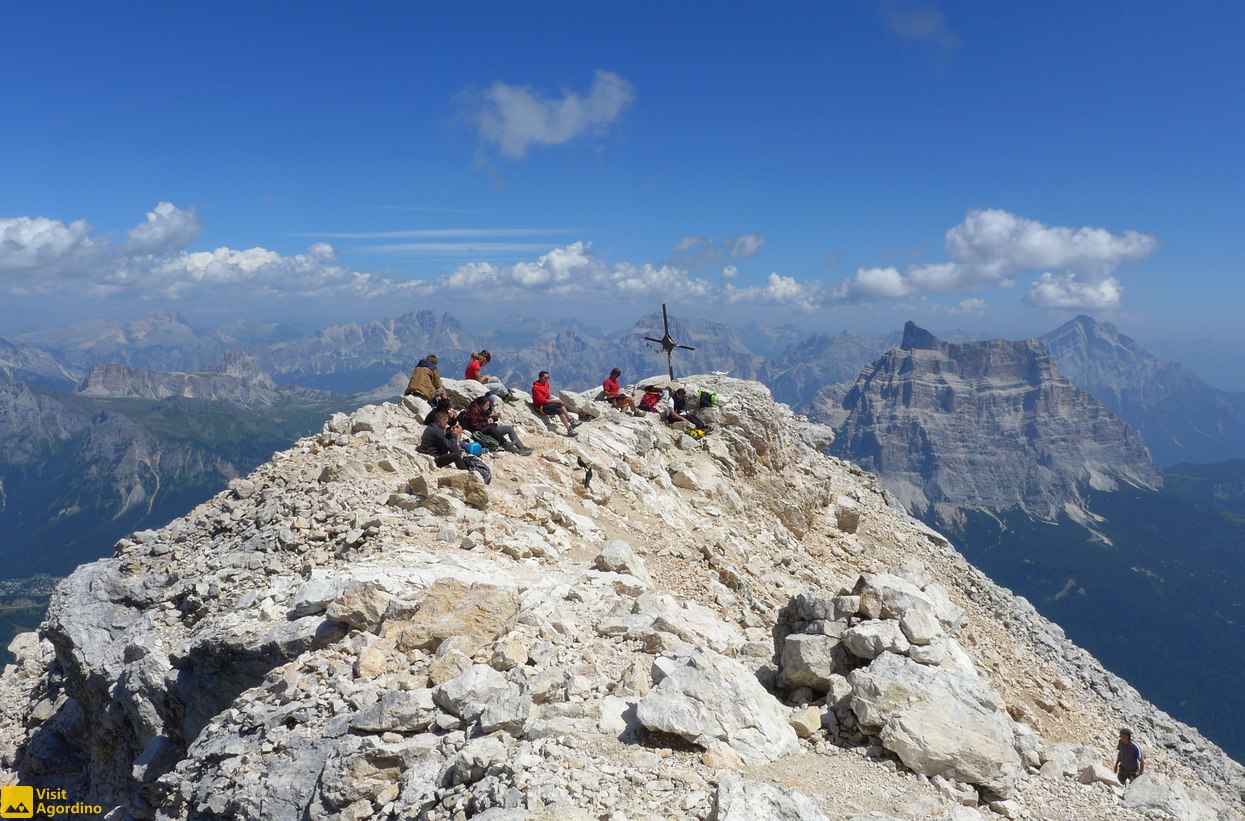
point(1130, 762)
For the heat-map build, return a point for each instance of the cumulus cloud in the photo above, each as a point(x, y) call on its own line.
point(991, 247)
point(38, 245)
point(1068, 292)
point(167, 228)
point(870, 284)
point(515, 118)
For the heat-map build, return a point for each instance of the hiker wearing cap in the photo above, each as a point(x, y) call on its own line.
point(1130, 762)
point(478, 361)
point(481, 417)
point(426, 380)
point(615, 396)
point(545, 407)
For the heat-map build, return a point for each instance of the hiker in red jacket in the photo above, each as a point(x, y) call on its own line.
point(545, 407)
point(478, 361)
point(615, 396)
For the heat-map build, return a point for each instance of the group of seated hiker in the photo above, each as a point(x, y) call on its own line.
point(441, 441)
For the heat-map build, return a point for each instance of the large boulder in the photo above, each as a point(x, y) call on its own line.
point(708, 697)
point(739, 799)
point(1156, 794)
point(938, 722)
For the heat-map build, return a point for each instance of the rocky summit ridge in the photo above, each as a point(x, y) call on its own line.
point(629, 624)
point(985, 425)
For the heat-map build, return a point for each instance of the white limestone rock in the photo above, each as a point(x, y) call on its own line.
point(740, 799)
point(938, 722)
point(709, 697)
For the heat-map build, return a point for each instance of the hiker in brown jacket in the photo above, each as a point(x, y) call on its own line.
point(426, 380)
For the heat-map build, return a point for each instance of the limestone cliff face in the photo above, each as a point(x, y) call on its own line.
point(628, 623)
point(985, 425)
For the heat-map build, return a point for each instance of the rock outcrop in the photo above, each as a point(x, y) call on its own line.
point(985, 425)
point(342, 635)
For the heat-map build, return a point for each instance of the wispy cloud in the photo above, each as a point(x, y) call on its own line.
point(441, 232)
point(516, 118)
point(696, 252)
point(920, 22)
point(483, 248)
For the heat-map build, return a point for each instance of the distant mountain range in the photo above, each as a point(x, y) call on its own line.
point(1041, 485)
point(1180, 417)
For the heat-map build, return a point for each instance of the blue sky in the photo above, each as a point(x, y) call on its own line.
point(997, 167)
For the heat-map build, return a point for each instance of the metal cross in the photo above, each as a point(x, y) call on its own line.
point(667, 342)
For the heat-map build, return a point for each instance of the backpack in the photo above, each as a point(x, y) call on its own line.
point(478, 465)
point(486, 441)
point(649, 401)
point(708, 399)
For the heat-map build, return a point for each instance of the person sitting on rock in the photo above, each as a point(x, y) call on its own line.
point(481, 416)
point(677, 411)
point(615, 396)
point(1130, 762)
point(426, 380)
point(444, 405)
point(478, 361)
point(440, 441)
point(545, 407)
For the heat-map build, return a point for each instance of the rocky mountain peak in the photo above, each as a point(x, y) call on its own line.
point(915, 337)
point(986, 425)
point(631, 621)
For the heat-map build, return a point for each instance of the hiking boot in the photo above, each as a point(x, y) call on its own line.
point(575, 423)
point(571, 432)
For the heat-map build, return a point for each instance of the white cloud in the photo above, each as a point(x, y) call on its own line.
point(729, 272)
point(969, 307)
point(871, 284)
point(993, 240)
point(167, 228)
point(991, 247)
point(745, 247)
point(41, 245)
point(1068, 292)
point(515, 118)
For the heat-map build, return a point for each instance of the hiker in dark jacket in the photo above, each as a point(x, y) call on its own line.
point(426, 380)
point(1130, 762)
point(481, 417)
point(443, 405)
point(441, 442)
